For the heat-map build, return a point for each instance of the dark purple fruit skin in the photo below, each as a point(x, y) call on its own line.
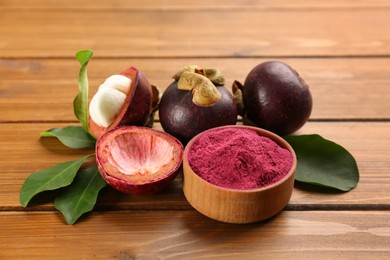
point(276, 98)
point(139, 189)
point(140, 105)
point(180, 117)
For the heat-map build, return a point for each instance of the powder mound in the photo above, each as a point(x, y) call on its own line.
point(238, 158)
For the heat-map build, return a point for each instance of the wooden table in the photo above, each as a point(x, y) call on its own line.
point(341, 48)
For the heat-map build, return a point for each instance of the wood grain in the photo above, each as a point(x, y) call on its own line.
point(43, 90)
point(190, 235)
point(195, 33)
point(188, 4)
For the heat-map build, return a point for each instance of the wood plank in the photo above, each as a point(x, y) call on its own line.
point(22, 152)
point(189, 235)
point(43, 90)
point(188, 4)
point(191, 33)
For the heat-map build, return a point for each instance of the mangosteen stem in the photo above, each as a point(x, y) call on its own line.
point(200, 71)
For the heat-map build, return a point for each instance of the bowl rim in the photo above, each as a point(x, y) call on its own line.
point(274, 137)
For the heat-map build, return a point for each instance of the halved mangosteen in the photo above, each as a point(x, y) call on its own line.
point(138, 160)
point(123, 99)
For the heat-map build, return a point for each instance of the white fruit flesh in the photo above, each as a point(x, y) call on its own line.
point(109, 100)
point(139, 153)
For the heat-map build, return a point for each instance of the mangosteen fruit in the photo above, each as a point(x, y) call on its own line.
point(275, 98)
point(196, 101)
point(123, 99)
point(138, 160)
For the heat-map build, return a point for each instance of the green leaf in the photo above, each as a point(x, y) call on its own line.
point(80, 103)
point(55, 177)
point(80, 197)
point(323, 162)
point(72, 136)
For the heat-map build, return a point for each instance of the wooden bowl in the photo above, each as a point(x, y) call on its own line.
point(238, 206)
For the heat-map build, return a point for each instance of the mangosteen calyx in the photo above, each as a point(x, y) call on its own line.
point(237, 89)
point(214, 75)
point(204, 92)
point(202, 84)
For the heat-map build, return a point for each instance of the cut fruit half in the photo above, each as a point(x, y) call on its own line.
point(138, 160)
point(124, 99)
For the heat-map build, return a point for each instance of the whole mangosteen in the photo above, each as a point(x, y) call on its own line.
point(196, 101)
point(275, 98)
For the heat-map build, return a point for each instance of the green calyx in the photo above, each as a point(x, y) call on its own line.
point(202, 83)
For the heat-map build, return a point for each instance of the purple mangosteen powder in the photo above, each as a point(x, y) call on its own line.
point(238, 158)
